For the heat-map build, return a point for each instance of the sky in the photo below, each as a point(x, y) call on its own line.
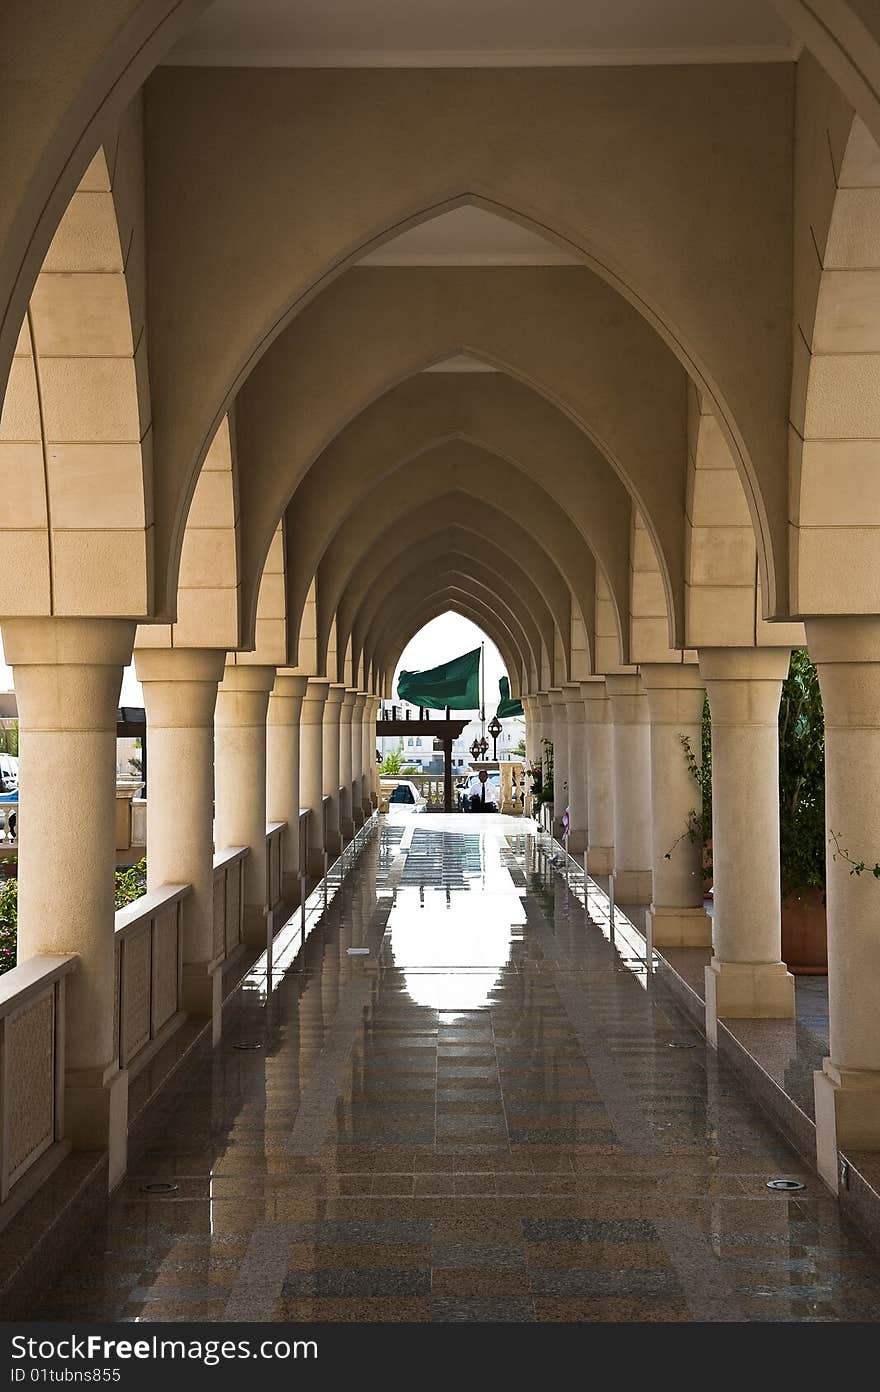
point(447, 636)
point(450, 635)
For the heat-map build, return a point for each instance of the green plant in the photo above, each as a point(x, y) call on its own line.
point(543, 791)
point(8, 923)
point(9, 737)
point(520, 749)
point(801, 778)
point(699, 821)
point(131, 883)
point(857, 867)
point(392, 763)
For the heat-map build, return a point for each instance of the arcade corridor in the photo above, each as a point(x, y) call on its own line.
point(494, 1113)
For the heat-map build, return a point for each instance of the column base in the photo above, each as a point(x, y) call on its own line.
point(317, 861)
point(847, 1115)
point(347, 829)
point(256, 929)
point(633, 886)
point(96, 1114)
point(577, 841)
point(358, 817)
point(203, 994)
point(334, 843)
point(674, 927)
point(600, 860)
point(747, 991)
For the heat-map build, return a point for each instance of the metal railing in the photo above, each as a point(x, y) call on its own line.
point(149, 972)
point(32, 1034)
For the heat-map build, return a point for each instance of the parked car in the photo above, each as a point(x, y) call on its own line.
point(9, 772)
point(401, 795)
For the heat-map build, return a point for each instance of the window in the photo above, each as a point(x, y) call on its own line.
point(409, 744)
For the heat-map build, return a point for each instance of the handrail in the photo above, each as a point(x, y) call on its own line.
point(147, 906)
point(229, 856)
point(20, 984)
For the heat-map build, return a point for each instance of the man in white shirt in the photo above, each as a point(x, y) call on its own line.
point(481, 793)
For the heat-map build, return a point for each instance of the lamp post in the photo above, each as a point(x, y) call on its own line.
point(494, 731)
point(475, 750)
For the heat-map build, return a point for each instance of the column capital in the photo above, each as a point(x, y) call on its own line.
point(179, 665)
point(254, 679)
point(846, 638)
point(289, 685)
point(360, 700)
point(349, 696)
point(744, 664)
point(52, 642)
point(672, 676)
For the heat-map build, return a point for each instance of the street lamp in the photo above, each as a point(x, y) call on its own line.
point(475, 750)
point(494, 731)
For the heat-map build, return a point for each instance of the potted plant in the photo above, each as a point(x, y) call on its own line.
point(802, 819)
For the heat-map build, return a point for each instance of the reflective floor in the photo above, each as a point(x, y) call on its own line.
point(492, 1113)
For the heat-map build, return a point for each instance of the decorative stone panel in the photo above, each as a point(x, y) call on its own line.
point(135, 993)
point(233, 905)
point(165, 972)
point(30, 1047)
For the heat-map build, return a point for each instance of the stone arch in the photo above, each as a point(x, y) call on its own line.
point(640, 219)
point(444, 507)
point(440, 603)
point(422, 566)
point(491, 411)
point(447, 583)
point(561, 332)
point(427, 545)
point(835, 420)
point(75, 430)
point(61, 102)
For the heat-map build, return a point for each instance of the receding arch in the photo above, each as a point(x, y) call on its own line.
point(489, 410)
point(417, 567)
point(639, 218)
point(426, 545)
point(572, 340)
point(441, 603)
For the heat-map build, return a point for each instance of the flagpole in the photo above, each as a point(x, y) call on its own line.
point(482, 690)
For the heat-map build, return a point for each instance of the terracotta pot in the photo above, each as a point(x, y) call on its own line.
point(805, 933)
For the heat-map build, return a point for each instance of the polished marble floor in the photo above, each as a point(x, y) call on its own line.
point(491, 1111)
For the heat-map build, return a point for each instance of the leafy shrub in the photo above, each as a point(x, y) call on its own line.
point(130, 885)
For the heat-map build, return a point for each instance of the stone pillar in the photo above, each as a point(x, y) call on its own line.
point(632, 788)
point(746, 976)
point(357, 757)
point(346, 803)
point(560, 756)
point(332, 712)
point(599, 739)
point(282, 773)
point(371, 768)
point(532, 708)
point(311, 769)
point(67, 674)
point(577, 770)
point(677, 918)
point(180, 694)
point(240, 796)
point(847, 1090)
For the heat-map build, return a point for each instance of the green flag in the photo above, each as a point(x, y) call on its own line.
point(508, 705)
point(455, 684)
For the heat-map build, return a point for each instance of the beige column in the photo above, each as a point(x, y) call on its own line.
point(632, 788)
point(67, 676)
point(371, 768)
point(677, 917)
point(357, 757)
point(847, 1090)
point(240, 786)
point(560, 756)
point(282, 772)
point(346, 803)
point(311, 768)
point(577, 770)
point(180, 694)
point(532, 709)
point(746, 976)
point(332, 712)
point(599, 738)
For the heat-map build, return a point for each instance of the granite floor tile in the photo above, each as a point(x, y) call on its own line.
point(482, 1121)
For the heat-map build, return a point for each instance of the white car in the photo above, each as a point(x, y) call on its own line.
point(402, 795)
point(9, 772)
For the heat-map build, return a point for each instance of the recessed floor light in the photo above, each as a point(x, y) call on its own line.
point(159, 1187)
point(247, 1046)
point(785, 1185)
